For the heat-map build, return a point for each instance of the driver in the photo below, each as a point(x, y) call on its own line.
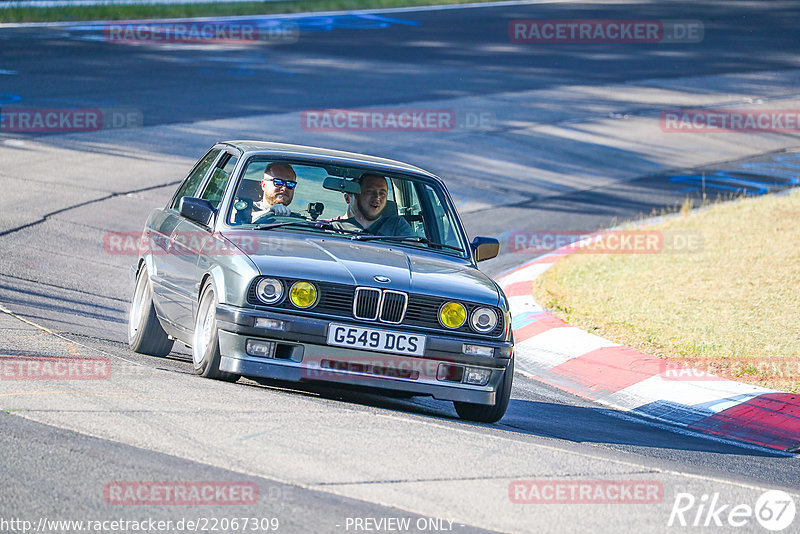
point(368, 206)
point(278, 186)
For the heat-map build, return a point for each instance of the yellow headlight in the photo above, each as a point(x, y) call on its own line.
point(303, 294)
point(452, 315)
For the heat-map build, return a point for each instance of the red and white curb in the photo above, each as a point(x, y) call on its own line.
point(551, 351)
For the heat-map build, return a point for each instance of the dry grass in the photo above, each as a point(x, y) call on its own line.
point(732, 307)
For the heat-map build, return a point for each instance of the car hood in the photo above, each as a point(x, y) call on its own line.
point(349, 262)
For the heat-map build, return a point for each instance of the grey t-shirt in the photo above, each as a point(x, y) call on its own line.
point(388, 225)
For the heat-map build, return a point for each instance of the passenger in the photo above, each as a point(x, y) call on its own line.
point(367, 209)
point(278, 186)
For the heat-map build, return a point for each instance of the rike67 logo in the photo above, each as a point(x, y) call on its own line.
point(774, 510)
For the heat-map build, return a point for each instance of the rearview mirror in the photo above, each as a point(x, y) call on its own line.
point(342, 185)
point(198, 210)
point(485, 248)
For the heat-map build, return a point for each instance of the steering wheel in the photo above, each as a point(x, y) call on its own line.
point(271, 217)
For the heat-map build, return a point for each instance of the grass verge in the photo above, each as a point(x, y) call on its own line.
point(731, 308)
point(150, 11)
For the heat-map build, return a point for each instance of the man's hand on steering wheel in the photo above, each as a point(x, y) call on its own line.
point(280, 210)
point(277, 210)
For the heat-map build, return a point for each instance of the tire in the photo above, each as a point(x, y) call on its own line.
point(145, 334)
point(205, 340)
point(482, 413)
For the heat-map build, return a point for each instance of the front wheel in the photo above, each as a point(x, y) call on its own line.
point(145, 334)
point(489, 414)
point(205, 341)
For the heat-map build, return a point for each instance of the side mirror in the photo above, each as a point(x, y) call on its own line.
point(198, 210)
point(485, 248)
point(342, 185)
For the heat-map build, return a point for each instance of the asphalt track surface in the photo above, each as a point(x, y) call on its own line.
point(320, 456)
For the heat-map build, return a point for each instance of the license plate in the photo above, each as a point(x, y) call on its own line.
point(376, 340)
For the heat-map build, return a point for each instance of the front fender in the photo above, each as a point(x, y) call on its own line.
point(230, 275)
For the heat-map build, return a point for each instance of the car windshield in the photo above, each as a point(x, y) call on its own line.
point(347, 203)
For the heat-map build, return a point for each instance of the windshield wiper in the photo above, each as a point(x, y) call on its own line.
point(414, 238)
point(305, 224)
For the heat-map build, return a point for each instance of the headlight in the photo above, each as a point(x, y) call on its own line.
point(452, 314)
point(303, 294)
point(269, 290)
point(483, 320)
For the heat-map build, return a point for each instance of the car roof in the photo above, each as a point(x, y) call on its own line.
point(324, 155)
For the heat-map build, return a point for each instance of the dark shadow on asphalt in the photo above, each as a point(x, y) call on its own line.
point(64, 312)
point(577, 424)
point(602, 425)
point(67, 303)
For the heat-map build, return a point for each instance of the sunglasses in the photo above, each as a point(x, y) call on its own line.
point(277, 182)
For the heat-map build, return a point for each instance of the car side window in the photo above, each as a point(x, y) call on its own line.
point(219, 179)
point(195, 177)
point(408, 206)
point(446, 224)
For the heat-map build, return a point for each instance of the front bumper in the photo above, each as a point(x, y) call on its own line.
point(302, 354)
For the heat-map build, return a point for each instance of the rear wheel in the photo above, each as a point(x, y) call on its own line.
point(489, 414)
point(205, 341)
point(145, 334)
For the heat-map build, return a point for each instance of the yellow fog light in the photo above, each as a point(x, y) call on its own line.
point(452, 315)
point(303, 294)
